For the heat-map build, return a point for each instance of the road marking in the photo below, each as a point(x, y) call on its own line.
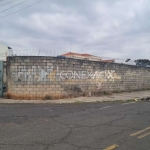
point(144, 135)
point(128, 103)
point(134, 134)
point(106, 107)
point(111, 147)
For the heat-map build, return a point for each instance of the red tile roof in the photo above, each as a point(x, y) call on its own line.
point(90, 57)
point(77, 54)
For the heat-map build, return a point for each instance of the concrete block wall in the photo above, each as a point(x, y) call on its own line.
point(46, 77)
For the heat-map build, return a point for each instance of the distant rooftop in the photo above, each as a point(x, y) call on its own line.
point(86, 57)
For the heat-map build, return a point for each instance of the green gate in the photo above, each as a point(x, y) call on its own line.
point(1, 78)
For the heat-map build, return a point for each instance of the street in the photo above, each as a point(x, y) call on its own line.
point(78, 126)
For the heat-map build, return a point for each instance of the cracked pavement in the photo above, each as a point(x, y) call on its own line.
point(78, 126)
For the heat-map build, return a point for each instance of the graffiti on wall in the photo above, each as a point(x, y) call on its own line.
point(49, 73)
point(36, 73)
point(106, 75)
point(98, 84)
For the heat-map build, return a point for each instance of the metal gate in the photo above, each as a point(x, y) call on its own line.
point(1, 78)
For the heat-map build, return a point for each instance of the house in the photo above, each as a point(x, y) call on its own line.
point(85, 57)
point(3, 52)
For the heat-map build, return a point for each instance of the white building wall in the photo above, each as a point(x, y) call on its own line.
point(3, 52)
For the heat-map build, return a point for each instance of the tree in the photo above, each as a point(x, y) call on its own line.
point(142, 62)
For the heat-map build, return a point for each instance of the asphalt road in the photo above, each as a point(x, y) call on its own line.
point(80, 126)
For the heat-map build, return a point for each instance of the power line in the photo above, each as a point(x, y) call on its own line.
point(3, 1)
point(13, 6)
point(8, 2)
point(21, 9)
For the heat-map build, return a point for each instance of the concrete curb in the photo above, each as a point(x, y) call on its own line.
point(115, 97)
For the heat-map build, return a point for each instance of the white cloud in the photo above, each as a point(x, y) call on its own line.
point(106, 28)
